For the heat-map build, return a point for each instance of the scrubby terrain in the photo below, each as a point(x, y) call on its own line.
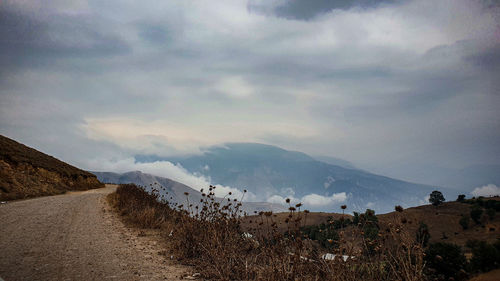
point(422, 243)
point(174, 191)
point(444, 222)
point(212, 240)
point(26, 172)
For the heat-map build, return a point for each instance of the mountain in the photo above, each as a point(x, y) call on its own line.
point(335, 161)
point(174, 191)
point(272, 173)
point(471, 177)
point(464, 179)
point(26, 172)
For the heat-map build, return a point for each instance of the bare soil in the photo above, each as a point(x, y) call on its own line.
point(489, 276)
point(76, 236)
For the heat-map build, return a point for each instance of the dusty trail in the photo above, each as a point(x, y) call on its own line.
point(76, 237)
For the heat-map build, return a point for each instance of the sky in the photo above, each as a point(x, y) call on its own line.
point(391, 86)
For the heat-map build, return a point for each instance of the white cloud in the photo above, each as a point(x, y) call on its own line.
point(352, 83)
point(486, 190)
point(170, 138)
point(329, 181)
point(311, 200)
point(234, 86)
point(174, 172)
point(315, 200)
point(276, 199)
point(425, 200)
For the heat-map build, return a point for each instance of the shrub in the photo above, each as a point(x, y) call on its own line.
point(492, 204)
point(211, 239)
point(485, 256)
point(475, 213)
point(464, 222)
point(491, 213)
point(369, 225)
point(325, 234)
point(355, 218)
point(445, 259)
point(461, 198)
point(423, 234)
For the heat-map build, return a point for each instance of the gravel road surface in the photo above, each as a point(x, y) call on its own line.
point(76, 236)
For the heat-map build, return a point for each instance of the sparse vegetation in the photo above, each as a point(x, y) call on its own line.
point(476, 213)
point(485, 256)
point(16, 153)
point(423, 234)
point(461, 198)
point(26, 172)
point(491, 213)
point(210, 238)
point(445, 260)
point(464, 222)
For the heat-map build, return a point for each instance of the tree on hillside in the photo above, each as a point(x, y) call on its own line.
point(461, 198)
point(436, 198)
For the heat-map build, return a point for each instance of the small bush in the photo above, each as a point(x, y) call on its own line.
point(491, 213)
point(445, 259)
point(464, 222)
point(485, 256)
point(211, 239)
point(461, 198)
point(475, 213)
point(423, 234)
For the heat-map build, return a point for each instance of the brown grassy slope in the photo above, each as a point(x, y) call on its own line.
point(440, 220)
point(443, 222)
point(312, 218)
point(26, 172)
point(211, 240)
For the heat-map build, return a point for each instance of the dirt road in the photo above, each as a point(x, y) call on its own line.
point(76, 237)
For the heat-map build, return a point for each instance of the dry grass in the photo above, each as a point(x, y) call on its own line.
point(26, 172)
point(443, 222)
point(211, 239)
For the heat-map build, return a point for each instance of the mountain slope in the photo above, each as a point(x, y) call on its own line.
point(174, 191)
point(268, 171)
point(26, 172)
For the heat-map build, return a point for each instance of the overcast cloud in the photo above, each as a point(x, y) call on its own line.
point(378, 83)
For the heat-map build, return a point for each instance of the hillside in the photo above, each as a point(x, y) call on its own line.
point(26, 172)
point(267, 171)
point(443, 222)
point(174, 192)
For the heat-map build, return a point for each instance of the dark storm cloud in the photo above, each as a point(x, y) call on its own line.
point(308, 9)
point(153, 33)
point(371, 81)
point(31, 41)
point(488, 60)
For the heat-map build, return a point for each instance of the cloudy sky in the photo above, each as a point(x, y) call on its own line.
point(388, 85)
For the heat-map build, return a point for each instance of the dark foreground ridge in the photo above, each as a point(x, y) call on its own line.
point(26, 172)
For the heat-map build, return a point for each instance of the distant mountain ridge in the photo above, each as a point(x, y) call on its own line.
point(26, 172)
point(176, 191)
point(269, 171)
